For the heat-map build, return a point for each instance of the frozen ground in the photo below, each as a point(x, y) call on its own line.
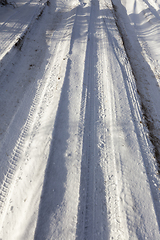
point(79, 120)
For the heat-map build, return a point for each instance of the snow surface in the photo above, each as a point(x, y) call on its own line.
point(76, 160)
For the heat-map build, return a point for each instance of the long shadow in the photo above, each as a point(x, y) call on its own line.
point(145, 28)
point(87, 226)
point(145, 105)
point(32, 66)
point(143, 75)
point(152, 9)
point(56, 171)
point(53, 189)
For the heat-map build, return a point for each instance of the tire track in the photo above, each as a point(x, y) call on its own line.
point(115, 213)
point(98, 215)
point(61, 182)
point(135, 216)
point(141, 114)
point(89, 130)
point(143, 72)
point(15, 159)
point(90, 211)
point(32, 124)
point(89, 190)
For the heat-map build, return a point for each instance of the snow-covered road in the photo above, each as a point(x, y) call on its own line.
point(76, 157)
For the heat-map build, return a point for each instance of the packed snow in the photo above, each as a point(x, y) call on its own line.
point(80, 120)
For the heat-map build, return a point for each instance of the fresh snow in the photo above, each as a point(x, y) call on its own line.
point(79, 100)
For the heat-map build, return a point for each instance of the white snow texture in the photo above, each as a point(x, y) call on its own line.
point(80, 120)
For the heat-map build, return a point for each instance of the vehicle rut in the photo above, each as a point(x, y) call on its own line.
point(92, 212)
point(82, 166)
point(65, 151)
